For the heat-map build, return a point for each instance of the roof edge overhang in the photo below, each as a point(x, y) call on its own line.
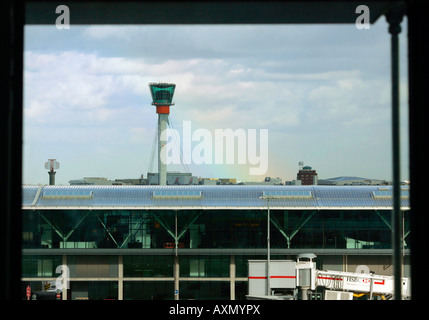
point(208, 251)
point(179, 208)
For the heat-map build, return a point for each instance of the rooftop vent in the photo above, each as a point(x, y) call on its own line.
point(296, 194)
point(177, 194)
point(67, 194)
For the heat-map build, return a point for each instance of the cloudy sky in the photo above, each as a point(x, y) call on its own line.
point(322, 91)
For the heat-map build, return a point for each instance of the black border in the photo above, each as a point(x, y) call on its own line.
point(12, 19)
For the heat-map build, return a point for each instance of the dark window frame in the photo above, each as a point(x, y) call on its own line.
point(12, 24)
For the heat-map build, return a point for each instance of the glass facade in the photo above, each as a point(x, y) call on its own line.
point(119, 229)
point(130, 254)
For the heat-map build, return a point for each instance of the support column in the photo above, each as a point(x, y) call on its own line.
point(394, 18)
point(232, 277)
point(120, 278)
point(52, 177)
point(268, 249)
point(345, 263)
point(176, 261)
point(176, 277)
point(162, 154)
point(66, 285)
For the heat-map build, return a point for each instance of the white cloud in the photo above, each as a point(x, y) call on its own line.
point(313, 87)
point(351, 100)
point(126, 33)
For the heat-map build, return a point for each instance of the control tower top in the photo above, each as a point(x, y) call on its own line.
point(162, 93)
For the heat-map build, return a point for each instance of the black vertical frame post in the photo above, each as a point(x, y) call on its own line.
point(11, 73)
point(394, 18)
point(418, 83)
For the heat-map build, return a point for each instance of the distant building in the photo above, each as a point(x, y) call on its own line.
point(352, 181)
point(100, 181)
point(267, 181)
point(173, 178)
point(209, 181)
point(228, 181)
point(293, 183)
point(91, 181)
point(307, 176)
point(132, 182)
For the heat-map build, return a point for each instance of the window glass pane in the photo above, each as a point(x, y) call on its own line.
point(204, 266)
point(148, 290)
point(94, 290)
point(40, 266)
point(204, 290)
point(148, 266)
point(93, 266)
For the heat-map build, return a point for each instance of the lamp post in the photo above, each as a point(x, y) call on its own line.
point(268, 198)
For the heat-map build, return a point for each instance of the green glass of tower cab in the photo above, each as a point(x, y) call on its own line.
point(162, 93)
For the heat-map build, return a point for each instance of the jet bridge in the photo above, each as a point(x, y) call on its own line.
point(296, 280)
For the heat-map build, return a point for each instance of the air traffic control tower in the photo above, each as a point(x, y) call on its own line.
point(162, 96)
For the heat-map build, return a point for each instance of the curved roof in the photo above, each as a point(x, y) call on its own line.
point(348, 178)
point(210, 197)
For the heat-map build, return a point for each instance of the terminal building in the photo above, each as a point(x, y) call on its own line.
point(185, 242)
